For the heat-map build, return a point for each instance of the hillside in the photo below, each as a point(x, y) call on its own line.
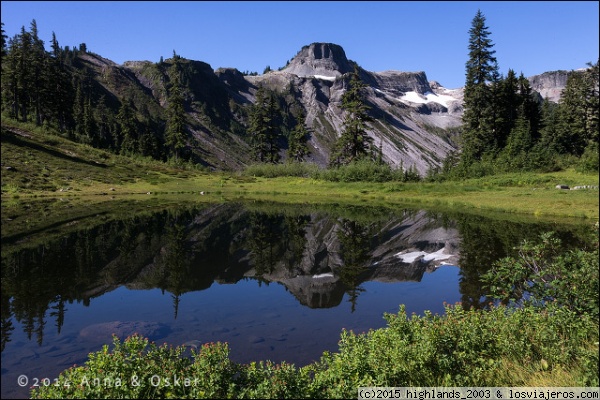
point(416, 120)
point(184, 111)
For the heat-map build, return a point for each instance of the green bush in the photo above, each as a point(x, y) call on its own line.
point(288, 169)
point(460, 348)
point(543, 273)
point(367, 171)
point(589, 159)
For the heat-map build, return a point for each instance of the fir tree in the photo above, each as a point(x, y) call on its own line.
point(572, 115)
point(481, 71)
point(127, 127)
point(258, 128)
point(354, 143)
point(264, 127)
point(175, 129)
point(298, 148)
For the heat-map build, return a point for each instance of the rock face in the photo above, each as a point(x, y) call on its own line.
point(320, 59)
point(415, 124)
point(550, 84)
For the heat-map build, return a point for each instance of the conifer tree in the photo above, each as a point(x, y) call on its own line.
point(529, 107)
point(175, 129)
point(127, 127)
point(3, 42)
point(297, 146)
point(264, 127)
point(37, 72)
point(273, 129)
point(78, 105)
point(481, 71)
point(258, 128)
point(508, 103)
point(354, 143)
point(572, 115)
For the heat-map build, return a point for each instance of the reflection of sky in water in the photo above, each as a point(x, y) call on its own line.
point(258, 322)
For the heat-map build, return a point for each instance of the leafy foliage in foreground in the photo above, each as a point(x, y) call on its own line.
point(499, 347)
point(542, 274)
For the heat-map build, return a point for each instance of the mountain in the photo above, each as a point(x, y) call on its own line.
point(416, 120)
point(550, 84)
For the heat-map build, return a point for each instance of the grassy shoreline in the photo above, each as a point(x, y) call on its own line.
point(538, 200)
point(41, 165)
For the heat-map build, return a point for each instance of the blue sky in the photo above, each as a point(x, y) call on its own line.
point(431, 36)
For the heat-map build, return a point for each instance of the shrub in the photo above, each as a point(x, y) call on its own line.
point(361, 171)
point(288, 169)
point(589, 159)
point(460, 348)
point(542, 273)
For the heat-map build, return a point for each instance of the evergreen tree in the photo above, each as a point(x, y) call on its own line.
point(572, 115)
point(258, 128)
point(127, 142)
point(592, 99)
point(529, 107)
point(273, 129)
point(298, 148)
point(175, 128)
point(508, 103)
point(78, 105)
point(37, 56)
point(23, 75)
point(3, 54)
point(89, 123)
point(354, 142)
point(550, 140)
point(481, 71)
point(3, 42)
point(519, 141)
point(10, 79)
point(103, 117)
point(264, 127)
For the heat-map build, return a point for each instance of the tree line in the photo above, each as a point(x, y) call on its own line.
point(56, 90)
point(507, 126)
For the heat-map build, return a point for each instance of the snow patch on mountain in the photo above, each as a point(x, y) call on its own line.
point(428, 97)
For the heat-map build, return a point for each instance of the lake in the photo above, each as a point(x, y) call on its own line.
point(275, 282)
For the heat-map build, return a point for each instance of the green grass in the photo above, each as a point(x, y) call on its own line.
point(42, 165)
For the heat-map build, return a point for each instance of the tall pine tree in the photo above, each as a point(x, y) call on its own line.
point(265, 127)
point(354, 143)
point(175, 129)
point(297, 147)
point(479, 111)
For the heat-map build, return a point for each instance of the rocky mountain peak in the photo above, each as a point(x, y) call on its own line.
point(320, 59)
point(550, 84)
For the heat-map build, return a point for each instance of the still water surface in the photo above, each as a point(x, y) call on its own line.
point(274, 284)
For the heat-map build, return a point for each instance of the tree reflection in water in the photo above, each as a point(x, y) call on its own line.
point(318, 255)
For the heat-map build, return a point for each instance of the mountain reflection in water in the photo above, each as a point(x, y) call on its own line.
point(270, 281)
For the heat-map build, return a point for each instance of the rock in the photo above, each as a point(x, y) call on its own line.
point(103, 331)
point(549, 84)
point(584, 187)
point(322, 59)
